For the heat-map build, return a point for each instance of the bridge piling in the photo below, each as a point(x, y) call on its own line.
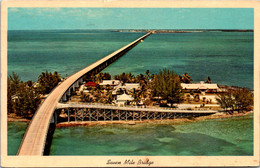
point(68, 115)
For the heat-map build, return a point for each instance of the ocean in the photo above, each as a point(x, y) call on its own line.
point(227, 57)
point(215, 137)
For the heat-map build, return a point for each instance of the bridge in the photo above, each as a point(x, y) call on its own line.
point(34, 140)
point(109, 112)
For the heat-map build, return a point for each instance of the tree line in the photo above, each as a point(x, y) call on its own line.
point(236, 99)
point(23, 98)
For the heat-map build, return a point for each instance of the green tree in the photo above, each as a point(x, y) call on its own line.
point(13, 84)
point(106, 76)
point(27, 101)
point(23, 98)
point(238, 99)
point(109, 98)
point(136, 95)
point(186, 78)
point(208, 80)
point(85, 98)
point(147, 76)
point(167, 85)
point(47, 81)
point(125, 77)
point(243, 99)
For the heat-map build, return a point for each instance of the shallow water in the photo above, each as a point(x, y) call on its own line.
point(16, 132)
point(218, 137)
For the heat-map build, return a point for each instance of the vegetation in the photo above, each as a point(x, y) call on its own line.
point(208, 80)
point(167, 85)
point(23, 98)
point(47, 81)
point(85, 97)
point(125, 77)
point(99, 77)
point(185, 78)
point(236, 99)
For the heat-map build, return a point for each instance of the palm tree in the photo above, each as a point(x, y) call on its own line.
point(148, 76)
point(85, 98)
point(47, 81)
point(208, 80)
point(136, 95)
point(186, 78)
point(109, 98)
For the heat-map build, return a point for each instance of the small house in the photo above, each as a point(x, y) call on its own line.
point(123, 99)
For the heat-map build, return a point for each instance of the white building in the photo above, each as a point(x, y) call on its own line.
point(126, 86)
point(123, 99)
point(130, 86)
point(204, 87)
point(110, 83)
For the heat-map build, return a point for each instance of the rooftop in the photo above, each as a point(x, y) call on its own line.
point(124, 97)
point(110, 82)
point(200, 85)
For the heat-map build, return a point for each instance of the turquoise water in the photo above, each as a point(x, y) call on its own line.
point(32, 52)
point(16, 131)
point(219, 137)
point(227, 57)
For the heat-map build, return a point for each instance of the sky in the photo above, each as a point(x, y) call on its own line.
point(130, 18)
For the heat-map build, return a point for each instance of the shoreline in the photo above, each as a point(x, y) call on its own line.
point(13, 117)
point(177, 120)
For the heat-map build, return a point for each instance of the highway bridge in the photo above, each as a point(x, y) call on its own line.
point(35, 137)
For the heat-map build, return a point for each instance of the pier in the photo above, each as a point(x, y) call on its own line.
point(35, 138)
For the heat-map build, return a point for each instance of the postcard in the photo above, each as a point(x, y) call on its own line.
point(117, 83)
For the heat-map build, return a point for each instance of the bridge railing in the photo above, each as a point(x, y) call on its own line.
point(102, 105)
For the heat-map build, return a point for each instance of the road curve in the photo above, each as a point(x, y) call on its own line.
point(34, 139)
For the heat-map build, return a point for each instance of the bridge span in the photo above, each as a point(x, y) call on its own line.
point(35, 137)
point(131, 108)
point(108, 112)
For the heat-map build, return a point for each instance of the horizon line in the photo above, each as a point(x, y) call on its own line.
point(130, 29)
